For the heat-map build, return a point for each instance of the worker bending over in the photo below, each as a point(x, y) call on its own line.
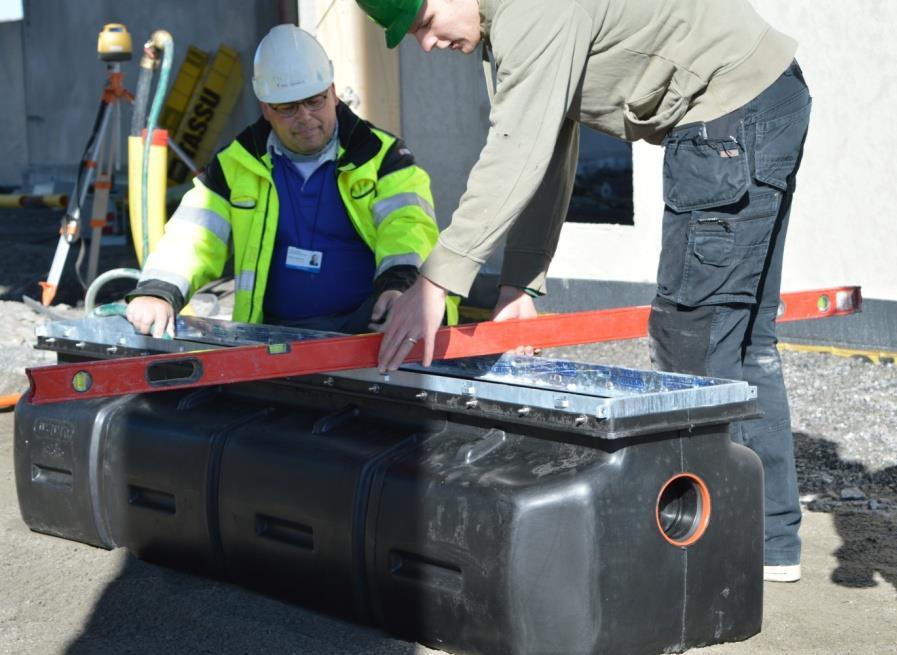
point(715, 85)
point(329, 218)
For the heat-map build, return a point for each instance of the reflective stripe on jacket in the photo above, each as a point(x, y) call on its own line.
point(234, 201)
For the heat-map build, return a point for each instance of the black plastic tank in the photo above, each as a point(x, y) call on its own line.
point(499, 513)
point(466, 535)
point(522, 545)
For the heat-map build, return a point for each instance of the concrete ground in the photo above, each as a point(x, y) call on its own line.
point(58, 596)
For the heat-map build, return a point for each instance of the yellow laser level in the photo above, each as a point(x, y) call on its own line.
point(114, 43)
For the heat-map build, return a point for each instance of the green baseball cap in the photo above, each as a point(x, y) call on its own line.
point(395, 16)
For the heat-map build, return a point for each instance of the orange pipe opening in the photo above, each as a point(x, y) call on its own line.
point(683, 510)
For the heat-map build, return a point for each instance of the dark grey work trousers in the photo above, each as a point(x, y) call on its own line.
point(728, 186)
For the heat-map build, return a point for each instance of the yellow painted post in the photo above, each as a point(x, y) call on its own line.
point(364, 66)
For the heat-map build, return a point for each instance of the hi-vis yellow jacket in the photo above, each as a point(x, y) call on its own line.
point(386, 195)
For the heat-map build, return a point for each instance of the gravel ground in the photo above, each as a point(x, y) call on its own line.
point(844, 417)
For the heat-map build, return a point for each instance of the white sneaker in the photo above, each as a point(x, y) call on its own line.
point(782, 573)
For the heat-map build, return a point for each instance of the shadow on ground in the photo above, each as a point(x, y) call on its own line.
point(28, 242)
point(153, 609)
point(867, 526)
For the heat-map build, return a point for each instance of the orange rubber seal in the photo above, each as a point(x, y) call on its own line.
point(683, 528)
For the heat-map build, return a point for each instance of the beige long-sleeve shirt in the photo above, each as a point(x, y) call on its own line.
point(629, 68)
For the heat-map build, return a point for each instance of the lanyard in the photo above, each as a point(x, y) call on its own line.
point(281, 163)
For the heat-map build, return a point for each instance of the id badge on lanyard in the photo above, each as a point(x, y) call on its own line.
point(304, 260)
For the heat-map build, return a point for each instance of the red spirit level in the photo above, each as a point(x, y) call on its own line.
point(259, 362)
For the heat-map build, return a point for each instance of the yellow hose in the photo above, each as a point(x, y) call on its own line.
point(148, 162)
point(158, 172)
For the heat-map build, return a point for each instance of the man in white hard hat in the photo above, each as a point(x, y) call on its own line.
point(328, 217)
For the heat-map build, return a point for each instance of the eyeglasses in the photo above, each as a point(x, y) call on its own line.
point(289, 109)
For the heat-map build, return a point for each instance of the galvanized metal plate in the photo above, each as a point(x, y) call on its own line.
point(590, 398)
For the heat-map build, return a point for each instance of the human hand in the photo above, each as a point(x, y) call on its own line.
point(514, 302)
point(415, 316)
point(381, 309)
point(147, 313)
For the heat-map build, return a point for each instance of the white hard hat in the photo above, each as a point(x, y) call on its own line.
point(290, 65)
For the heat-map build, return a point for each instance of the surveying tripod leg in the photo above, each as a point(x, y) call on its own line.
point(101, 190)
point(48, 288)
point(71, 223)
point(97, 223)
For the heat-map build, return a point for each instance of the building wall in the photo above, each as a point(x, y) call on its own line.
point(13, 142)
point(842, 221)
point(366, 73)
point(844, 225)
point(64, 78)
point(445, 118)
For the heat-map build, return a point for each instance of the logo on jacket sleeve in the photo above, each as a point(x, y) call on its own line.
point(361, 188)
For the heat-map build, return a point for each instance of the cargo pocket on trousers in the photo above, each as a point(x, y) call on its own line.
point(778, 147)
point(726, 253)
point(703, 173)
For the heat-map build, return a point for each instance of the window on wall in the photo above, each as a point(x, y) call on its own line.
point(602, 192)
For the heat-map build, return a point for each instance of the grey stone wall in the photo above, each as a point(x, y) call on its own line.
point(13, 141)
